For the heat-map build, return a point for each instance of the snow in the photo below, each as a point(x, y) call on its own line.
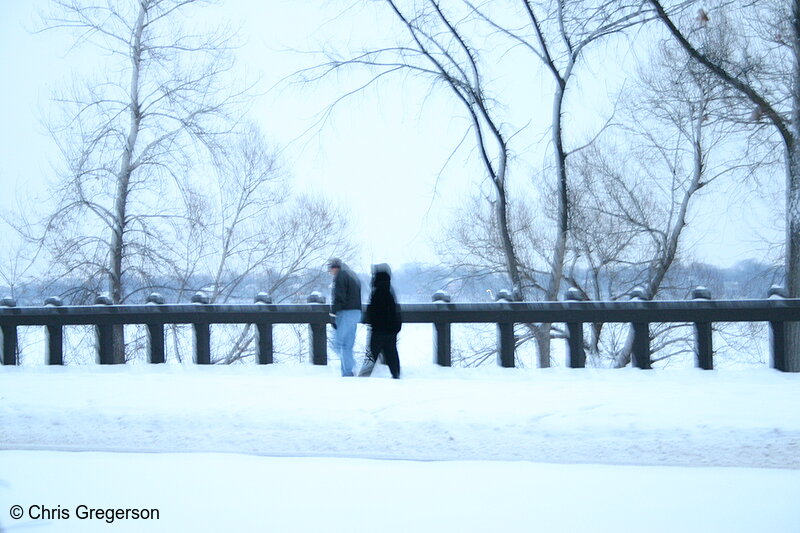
point(298, 448)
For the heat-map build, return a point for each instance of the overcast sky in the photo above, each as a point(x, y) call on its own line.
point(378, 156)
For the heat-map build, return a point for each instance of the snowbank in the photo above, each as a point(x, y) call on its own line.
point(297, 448)
point(732, 418)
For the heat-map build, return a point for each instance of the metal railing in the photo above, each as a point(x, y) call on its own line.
point(701, 311)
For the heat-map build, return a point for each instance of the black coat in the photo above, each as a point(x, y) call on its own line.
point(346, 291)
point(383, 314)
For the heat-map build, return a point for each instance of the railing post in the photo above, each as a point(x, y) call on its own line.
point(106, 341)
point(155, 334)
point(576, 353)
point(505, 348)
point(318, 335)
point(202, 334)
point(263, 334)
point(441, 341)
point(703, 338)
point(640, 355)
point(54, 336)
point(10, 344)
point(777, 336)
point(505, 336)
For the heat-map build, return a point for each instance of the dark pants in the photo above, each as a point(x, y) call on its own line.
point(385, 344)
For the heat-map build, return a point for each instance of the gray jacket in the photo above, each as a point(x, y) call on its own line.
point(346, 291)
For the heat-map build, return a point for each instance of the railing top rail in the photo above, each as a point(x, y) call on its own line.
point(771, 310)
point(699, 310)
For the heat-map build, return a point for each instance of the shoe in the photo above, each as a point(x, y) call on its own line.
point(366, 368)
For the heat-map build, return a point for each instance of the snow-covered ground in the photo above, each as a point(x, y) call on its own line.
point(297, 448)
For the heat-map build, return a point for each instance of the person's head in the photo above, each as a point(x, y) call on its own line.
point(381, 267)
point(381, 280)
point(381, 276)
point(334, 266)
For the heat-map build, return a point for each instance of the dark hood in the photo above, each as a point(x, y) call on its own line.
point(381, 281)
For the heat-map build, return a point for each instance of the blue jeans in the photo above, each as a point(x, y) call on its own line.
point(345, 337)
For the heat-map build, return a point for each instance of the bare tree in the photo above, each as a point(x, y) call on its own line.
point(248, 233)
point(762, 67)
point(293, 246)
point(130, 139)
point(558, 35)
point(17, 264)
point(454, 46)
point(631, 196)
point(633, 204)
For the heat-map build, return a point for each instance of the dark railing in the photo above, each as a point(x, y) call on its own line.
point(701, 311)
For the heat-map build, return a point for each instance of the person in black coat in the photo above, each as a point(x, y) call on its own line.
point(383, 317)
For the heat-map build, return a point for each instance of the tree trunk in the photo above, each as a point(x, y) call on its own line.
point(123, 187)
point(512, 264)
point(542, 335)
point(560, 247)
point(793, 197)
point(793, 252)
point(560, 244)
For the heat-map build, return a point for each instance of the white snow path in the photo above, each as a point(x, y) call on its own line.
point(748, 418)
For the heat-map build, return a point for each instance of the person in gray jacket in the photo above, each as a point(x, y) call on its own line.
point(346, 312)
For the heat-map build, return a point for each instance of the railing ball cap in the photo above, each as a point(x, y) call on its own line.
point(315, 297)
point(8, 301)
point(263, 298)
point(155, 298)
point(638, 293)
point(776, 291)
point(200, 298)
point(505, 296)
point(701, 293)
point(55, 301)
point(441, 296)
point(574, 294)
point(103, 299)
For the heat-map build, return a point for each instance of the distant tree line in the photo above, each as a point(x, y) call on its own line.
point(746, 279)
point(417, 282)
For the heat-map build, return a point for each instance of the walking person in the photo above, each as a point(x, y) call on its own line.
point(383, 317)
point(346, 312)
